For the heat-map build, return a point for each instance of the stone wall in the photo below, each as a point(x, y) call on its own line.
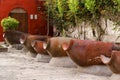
point(111, 34)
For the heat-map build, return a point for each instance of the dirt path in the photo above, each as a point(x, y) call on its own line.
point(15, 65)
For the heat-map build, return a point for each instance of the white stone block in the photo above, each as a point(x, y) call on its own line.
point(42, 58)
point(101, 70)
point(62, 62)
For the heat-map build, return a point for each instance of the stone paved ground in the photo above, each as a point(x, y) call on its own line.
point(15, 65)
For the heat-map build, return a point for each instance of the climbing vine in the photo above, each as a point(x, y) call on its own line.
point(67, 13)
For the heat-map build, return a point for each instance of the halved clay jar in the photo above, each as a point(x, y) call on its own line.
point(38, 47)
point(113, 62)
point(26, 40)
point(54, 46)
point(13, 36)
point(86, 52)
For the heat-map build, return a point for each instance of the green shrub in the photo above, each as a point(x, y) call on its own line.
point(9, 23)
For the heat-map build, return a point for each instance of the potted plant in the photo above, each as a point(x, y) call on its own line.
point(10, 25)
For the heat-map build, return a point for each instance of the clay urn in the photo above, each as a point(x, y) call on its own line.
point(54, 46)
point(26, 40)
point(13, 36)
point(87, 52)
point(113, 62)
point(38, 47)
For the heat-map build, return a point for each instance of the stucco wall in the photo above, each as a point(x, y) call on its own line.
point(35, 26)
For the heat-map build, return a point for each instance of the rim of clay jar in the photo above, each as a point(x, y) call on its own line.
point(66, 46)
point(46, 44)
point(23, 38)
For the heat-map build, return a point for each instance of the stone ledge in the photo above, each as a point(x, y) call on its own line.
point(62, 62)
point(2, 49)
point(42, 58)
point(100, 70)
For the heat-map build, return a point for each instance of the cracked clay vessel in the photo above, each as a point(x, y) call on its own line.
point(12, 36)
point(38, 47)
point(54, 46)
point(113, 62)
point(87, 52)
point(26, 40)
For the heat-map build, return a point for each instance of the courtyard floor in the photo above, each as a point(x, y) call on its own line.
point(15, 65)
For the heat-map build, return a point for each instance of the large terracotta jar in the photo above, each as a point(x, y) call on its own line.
point(42, 55)
point(13, 36)
point(26, 40)
point(54, 46)
point(38, 47)
point(113, 62)
point(87, 52)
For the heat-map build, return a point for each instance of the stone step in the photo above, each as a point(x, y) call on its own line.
point(2, 49)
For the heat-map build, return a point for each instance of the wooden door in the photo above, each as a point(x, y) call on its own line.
point(23, 19)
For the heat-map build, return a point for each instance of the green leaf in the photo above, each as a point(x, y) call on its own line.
point(9, 23)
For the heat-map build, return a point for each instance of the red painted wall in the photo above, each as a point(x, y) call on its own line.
point(35, 26)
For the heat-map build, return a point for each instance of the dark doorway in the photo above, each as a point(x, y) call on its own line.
point(22, 16)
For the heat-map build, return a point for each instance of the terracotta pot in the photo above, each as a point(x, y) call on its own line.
point(38, 47)
point(54, 46)
point(27, 39)
point(113, 62)
point(86, 52)
point(116, 46)
point(12, 36)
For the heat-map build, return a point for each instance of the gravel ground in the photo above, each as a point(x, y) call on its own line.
point(15, 65)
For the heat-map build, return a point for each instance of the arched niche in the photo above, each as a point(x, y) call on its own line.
point(22, 16)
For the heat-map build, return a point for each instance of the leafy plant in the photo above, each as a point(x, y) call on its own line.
point(90, 5)
point(56, 10)
point(9, 23)
point(65, 13)
point(117, 2)
point(73, 11)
